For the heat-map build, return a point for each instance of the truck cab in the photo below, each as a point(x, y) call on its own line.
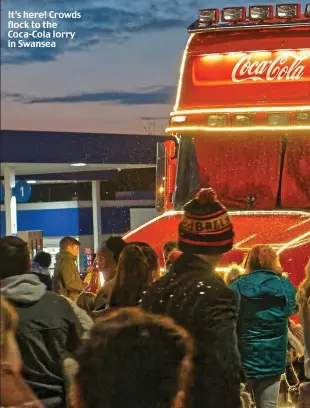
point(241, 124)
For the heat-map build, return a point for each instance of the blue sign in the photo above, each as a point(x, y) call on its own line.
point(22, 191)
point(2, 192)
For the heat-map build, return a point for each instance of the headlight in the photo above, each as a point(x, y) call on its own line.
point(208, 16)
point(234, 14)
point(261, 12)
point(278, 119)
point(288, 11)
point(217, 120)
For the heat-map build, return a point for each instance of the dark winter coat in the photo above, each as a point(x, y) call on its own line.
point(48, 331)
point(198, 299)
point(67, 280)
point(266, 302)
point(43, 274)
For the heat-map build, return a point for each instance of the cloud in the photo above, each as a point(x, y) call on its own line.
point(145, 96)
point(111, 20)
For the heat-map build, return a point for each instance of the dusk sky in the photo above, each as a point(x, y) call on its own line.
point(118, 74)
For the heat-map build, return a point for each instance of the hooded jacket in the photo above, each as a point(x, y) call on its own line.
point(67, 281)
point(48, 330)
point(267, 300)
point(43, 274)
point(197, 298)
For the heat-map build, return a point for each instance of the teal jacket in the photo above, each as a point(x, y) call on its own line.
point(266, 301)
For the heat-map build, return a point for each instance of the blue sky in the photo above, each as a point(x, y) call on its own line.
point(117, 76)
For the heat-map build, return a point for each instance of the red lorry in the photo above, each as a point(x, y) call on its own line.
point(241, 124)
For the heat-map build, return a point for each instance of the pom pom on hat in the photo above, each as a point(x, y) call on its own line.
point(206, 196)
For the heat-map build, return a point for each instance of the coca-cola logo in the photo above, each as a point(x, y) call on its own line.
point(287, 67)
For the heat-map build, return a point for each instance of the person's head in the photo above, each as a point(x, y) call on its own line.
point(108, 254)
point(9, 350)
point(263, 257)
point(86, 301)
point(206, 229)
point(172, 258)
point(70, 245)
point(133, 276)
point(44, 259)
point(14, 257)
point(136, 360)
point(152, 260)
point(303, 294)
point(232, 275)
point(169, 247)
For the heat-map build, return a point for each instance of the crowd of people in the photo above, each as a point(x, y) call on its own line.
point(185, 338)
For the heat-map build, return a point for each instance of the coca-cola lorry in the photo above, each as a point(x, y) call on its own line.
point(241, 124)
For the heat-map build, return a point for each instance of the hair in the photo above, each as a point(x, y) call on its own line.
point(169, 247)
point(114, 245)
point(232, 275)
point(86, 301)
point(136, 359)
point(133, 276)
point(303, 294)
point(8, 320)
point(140, 244)
point(152, 259)
point(14, 257)
point(261, 257)
point(44, 259)
point(68, 241)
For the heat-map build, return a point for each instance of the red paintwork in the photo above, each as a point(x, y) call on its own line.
point(276, 229)
point(207, 81)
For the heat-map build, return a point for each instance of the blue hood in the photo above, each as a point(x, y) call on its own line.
point(262, 283)
point(265, 282)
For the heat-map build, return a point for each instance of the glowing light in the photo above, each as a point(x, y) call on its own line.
point(227, 270)
point(173, 213)
point(101, 278)
point(178, 119)
point(242, 110)
point(293, 242)
point(233, 129)
point(78, 164)
point(161, 190)
point(236, 246)
point(182, 68)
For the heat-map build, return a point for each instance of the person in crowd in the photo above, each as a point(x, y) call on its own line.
point(86, 301)
point(107, 257)
point(303, 299)
point(40, 266)
point(14, 391)
point(67, 279)
point(153, 261)
point(156, 374)
point(197, 298)
point(232, 275)
point(267, 300)
point(134, 275)
point(173, 256)
point(48, 328)
point(169, 247)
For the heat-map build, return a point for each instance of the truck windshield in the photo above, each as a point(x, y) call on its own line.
point(249, 170)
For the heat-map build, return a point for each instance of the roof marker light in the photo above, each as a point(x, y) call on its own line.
point(234, 14)
point(307, 10)
point(208, 16)
point(288, 11)
point(261, 13)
